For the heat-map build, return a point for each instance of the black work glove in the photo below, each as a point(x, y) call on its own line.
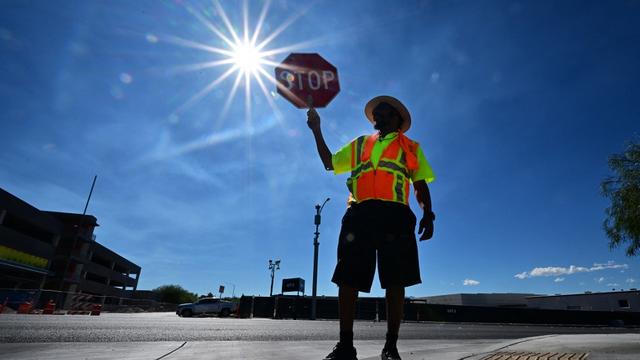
point(426, 226)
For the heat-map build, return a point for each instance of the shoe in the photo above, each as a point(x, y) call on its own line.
point(390, 354)
point(341, 352)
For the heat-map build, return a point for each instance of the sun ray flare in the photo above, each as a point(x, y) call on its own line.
point(210, 25)
point(283, 27)
point(226, 21)
point(280, 86)
point(245, 21)
point(196, 45)
point(246, 53)
point(263, 15)
point(227, 103)
point(198, 66)
point(207, 89)
point(267, 95)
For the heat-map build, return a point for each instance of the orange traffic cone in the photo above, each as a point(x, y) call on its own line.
point(49, 308)
point(96, 309)
point(24, 308)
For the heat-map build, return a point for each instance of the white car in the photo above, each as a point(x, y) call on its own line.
point(207, 306)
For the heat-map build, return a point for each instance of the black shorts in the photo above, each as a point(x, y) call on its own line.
point(387, 228)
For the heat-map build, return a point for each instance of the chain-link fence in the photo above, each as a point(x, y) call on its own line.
point(36, 300)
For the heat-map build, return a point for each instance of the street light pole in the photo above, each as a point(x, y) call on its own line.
point(233, 291)
point(273, 266)
point(316, 244)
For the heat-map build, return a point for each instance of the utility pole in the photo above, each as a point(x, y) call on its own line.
point(316, 244)
point(273, 266)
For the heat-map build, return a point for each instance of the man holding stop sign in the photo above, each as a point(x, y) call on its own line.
point(378, 221)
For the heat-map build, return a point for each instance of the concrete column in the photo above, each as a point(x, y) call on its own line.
point(84, 251)
point(55, 240)
point(36, 299)
point(78, 272)
point(69, 292)
point(135, 287)
point(124, 286)
point(3, 213)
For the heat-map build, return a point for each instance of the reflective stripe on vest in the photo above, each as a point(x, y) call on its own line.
point(389, 181)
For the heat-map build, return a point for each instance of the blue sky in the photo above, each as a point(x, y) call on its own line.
point(517, 106)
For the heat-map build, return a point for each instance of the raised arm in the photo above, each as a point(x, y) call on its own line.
point(313, 121)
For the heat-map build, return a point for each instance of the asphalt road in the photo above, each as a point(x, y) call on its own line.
point(152, 327)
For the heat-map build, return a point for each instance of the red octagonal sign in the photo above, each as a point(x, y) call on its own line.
point(304, 74)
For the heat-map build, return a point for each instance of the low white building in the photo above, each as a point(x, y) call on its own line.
point(515, 300)
point(599, 301)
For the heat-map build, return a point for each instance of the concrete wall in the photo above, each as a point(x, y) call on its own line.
point(499, 300)
point(607, 301)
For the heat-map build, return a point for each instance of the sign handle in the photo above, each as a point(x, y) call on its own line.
point(310, 102)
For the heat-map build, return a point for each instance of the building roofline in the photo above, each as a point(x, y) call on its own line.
point(587, 294)
point(23, 209)
point(64, 216)
point(460, 294)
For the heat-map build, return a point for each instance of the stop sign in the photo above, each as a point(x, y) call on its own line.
point(307, 74)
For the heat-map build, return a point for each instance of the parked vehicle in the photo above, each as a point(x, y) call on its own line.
point(207, 306)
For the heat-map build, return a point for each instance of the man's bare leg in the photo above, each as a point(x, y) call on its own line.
point(347, 297)
point(395, 309)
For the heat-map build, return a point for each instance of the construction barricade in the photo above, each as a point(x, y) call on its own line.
point(81, 304)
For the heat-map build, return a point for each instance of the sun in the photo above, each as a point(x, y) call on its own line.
point(247, 57)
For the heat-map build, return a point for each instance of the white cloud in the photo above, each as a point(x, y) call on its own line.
point(558, 270)
point(599, 280)
point(613, 284)
point(470, 282)
point(631, 280)
point(522, 275)
point(560, 279)
point(609, 265)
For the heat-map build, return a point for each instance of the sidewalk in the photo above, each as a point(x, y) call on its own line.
point(597, 346)
point(618, 346)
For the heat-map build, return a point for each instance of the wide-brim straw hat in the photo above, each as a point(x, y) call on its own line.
point(400, 108)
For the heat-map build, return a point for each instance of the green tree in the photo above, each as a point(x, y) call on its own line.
point(174, 294)
point(622, 224)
